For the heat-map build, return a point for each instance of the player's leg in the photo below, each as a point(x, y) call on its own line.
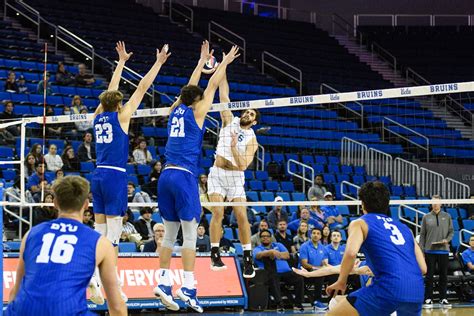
point(341, 307)
point(216, 192)
point(240, 213)
point(409, 309)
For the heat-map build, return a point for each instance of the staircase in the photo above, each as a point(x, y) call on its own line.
point(372, 60)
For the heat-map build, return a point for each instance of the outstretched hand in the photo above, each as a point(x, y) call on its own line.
point(122, 52)
point(231, 55)
point(162, 56)
point(205, 53)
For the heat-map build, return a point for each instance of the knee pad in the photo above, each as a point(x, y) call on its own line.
point(114, 229)
point(171, 232)
point(189, 234)
point(101, 229)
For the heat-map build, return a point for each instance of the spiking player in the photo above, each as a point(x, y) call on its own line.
point(109, 180)
point(392, 254)
point(235, 152)
point(58, 258)
point(178, 194)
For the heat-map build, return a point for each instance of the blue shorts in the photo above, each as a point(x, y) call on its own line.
point(178, 196)
point(109, 192)
point(368, 303)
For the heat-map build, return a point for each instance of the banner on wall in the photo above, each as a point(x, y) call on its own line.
point(139, 275)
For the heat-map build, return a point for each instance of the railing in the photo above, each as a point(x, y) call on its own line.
point(260, 158)
point(386, 127)
point(429, 19)
point(243, 44)
point(430, 183)
point(379, 163)
point(19, 217)
point(461, 237)
point(281, 11)
point(385, 55)
point(405, 172)
point(303, 175)
point(60, 34)
point(189, 17)
point(348, 196)
point(36, 19)
point(299, 74)
point(408, 221)
point(353, 152)
point(359, 114)
point(454, 189)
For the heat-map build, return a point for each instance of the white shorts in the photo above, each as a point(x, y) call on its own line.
point(229, 184)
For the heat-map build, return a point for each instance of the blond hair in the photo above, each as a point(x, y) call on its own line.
point(110, 100)
point(70, 193)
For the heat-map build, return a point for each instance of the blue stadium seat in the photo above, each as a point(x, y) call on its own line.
point(130, 169)
point(156, 216)
point(6, 152)
point(256, 185)
point(410, 190)
point(261, 175)
point(359, 170)
point(206, 163)
point(321, 160)
point(9, 174)
point(272, 186)
point(267, 196)
point(343, 209)
point(239, 251)
point(133, 178)
point(143, 170)
point(228, 233)
point(463, 213)
point(278, 157)
point(468, 224)
point(455, 241)
point(397, 190)
point(127, 247)
point(252, 195)
point(307, 159)
point(453, 212)
point(298, 196)
point(333, 169)
point(334, 160)
point(14, 245)
point(248, 174)
point(287, 186)
point(346, 169)
point(284, 195)
point(385, 180)
point(329, 178)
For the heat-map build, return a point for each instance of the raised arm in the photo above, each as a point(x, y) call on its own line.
point(243, 160)
point(226, 115)
point(143, 86)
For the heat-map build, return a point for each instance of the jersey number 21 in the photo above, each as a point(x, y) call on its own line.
point(177, 127)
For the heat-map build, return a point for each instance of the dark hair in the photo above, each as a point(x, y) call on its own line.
point(319, 175)
point(131, 183)
point(335, 231)
point(189, 93)
point(375, 197)
point(264, 231)
point(257, 114)
point(146, 210)
point(282, 220)
point(318, 229)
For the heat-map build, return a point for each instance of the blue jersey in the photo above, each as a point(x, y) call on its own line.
point(111, 141)
point(183, 147)
point(389, 251)
point(59, 261)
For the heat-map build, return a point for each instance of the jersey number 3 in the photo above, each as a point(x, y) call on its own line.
point(104, 128)
point(396, 237)
point(63, 249)
point(177, 127)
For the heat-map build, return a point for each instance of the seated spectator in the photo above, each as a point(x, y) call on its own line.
point(335, 250)
point(76, 105)
point(297, 214)
point(283, 237)
point(87, 218)
point(45, 213)
point(59, 175)
point(301, 235)
point(38, 181)
point(41, 86)
point(145, 223)
point(52, 159)
point(313, 255)
point(22, 87)
point(70, 160)
point(83, 78)
point(68, 128)
point(8, 115)
point(30, 165)
point(129, 232)
point(84, 126)
point(36, 150)
point(10, 83)
point(86, 150)
point(333, 217)
point(250, 216)
point(63, 77)
point(141, 154)
point(203, 197)
point(318, 189)
point(136, 197)
point(152, 186)
point(277, 214)
point(255, 238)
point(52, 130)
point(203, 242)
point(6, 138)
point(468, 255)
point(272, 257)
point(316, 213)
point(225, 245)
point(13, 194)
point(154, 245)
point(312, 223)
point(326, 238)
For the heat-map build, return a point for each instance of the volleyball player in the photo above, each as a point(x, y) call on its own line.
point(109, 180)
point(235, 152)
point(57, 260)
point(392, 254)
point(178, 193)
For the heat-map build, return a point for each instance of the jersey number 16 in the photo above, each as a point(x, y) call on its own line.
point(63, 248)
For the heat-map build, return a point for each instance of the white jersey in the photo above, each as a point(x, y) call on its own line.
point(225, 138)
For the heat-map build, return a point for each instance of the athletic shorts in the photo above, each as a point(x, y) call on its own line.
point(229, 184)
point(109, 192)
point(368, 303)
point(178, 196)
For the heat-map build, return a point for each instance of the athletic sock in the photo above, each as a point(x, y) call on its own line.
point(188, 281)
point(247, 247)
point(164, 277)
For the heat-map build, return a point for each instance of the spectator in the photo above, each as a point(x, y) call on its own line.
point(6, 138)
point(136, 197)
point(283, 237)
point(435, 236)
point(41, 86)
point(155, 244)
point(8, 115)
point(326, 238)
point(68, 128)
point(86, 150)
point(22, 87)
point(36, 150)
point(335, 250)
point(141, 154)
point(313, 255)
point(297, 214)
point(203, 242)
point(145, 223)
point(318, 189)
point(45, 213)
point(152, 186)
point(468, 255)
point(76, 105)
point(70, 160)
point(52, 159)
point(225, 245)
point(63, 77)
point(129, 232)
point(301, 235)
point(277, 214)
point(83, 78)
point(52, 130)
point(60, 175)
point(316, 213)
point(333, 217)
point(255, 238)
point(38, 181)
point(10, 83)
point(84, 126)
point(203, 184)
point(470, 209)
point(87, 218)
point(273, 256)
point(293, 226)
point(30, 165)
point(250, 216)
point(13, 194)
